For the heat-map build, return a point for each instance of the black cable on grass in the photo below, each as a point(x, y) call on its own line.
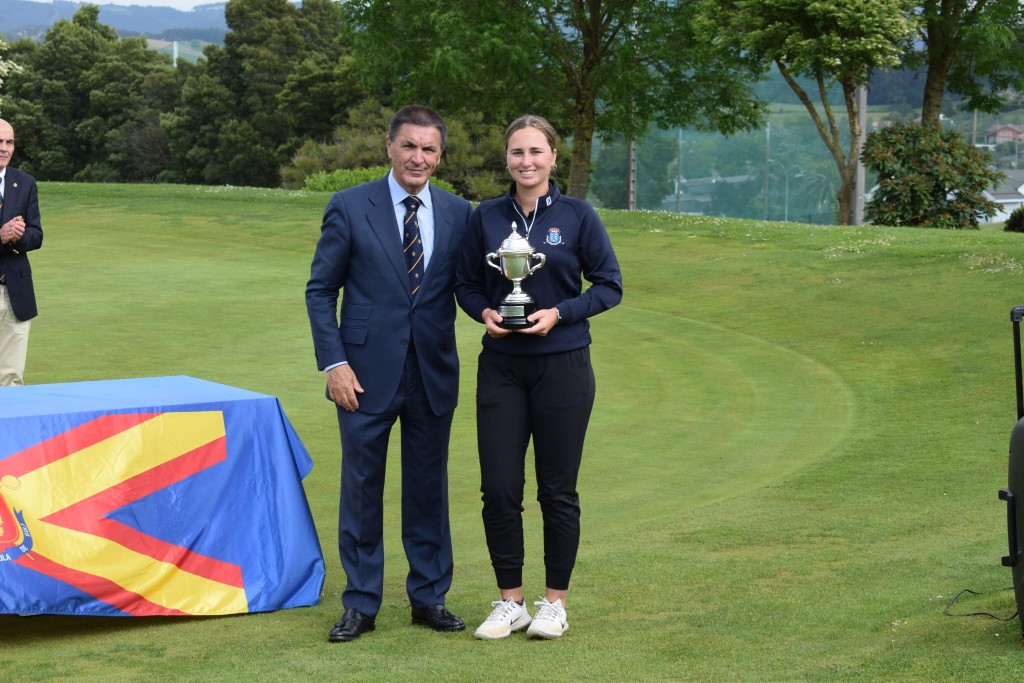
point(976, 614)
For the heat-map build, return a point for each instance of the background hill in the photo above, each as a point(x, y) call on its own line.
point(23, 18)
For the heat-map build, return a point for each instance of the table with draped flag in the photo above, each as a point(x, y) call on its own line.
point(164, 496)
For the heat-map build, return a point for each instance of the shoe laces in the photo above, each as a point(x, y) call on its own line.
point(549, 611)
point(502, 608)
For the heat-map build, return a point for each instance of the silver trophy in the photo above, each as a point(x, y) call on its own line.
point(515, 254)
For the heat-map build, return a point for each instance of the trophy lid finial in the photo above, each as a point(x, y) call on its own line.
point(515, 243)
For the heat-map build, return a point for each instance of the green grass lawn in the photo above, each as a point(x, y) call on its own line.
point(792, 466)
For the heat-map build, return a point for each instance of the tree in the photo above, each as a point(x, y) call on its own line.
point(974, 48)
point(48, 100)
point(228, 128)
point(128, 88)
point(315, 96)
point(473, 162)
point(193, 128)
point(840, 41)
point(261, 50)
point(80, 91)
point(654, 157)
point(6, 66)
point(611, 67)
point(280, 78)
point(928, 177)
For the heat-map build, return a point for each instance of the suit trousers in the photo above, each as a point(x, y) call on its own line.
point(426, 535)
point(13, 342)
point(548, 398)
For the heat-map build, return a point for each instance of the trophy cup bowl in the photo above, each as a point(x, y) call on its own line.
point(513, 261)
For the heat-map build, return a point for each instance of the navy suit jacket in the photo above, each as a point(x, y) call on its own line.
point(20, 199)
point(360, 252)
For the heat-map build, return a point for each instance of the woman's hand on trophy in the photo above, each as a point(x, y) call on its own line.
point(543, 320)
point(492, 319)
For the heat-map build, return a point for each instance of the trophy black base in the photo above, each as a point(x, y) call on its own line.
point(514, 315)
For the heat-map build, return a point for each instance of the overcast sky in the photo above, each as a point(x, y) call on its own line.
point(176, 4)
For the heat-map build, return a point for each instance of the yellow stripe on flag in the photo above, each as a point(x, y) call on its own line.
point(112, 461)
point(159, 582)
point(109, 463)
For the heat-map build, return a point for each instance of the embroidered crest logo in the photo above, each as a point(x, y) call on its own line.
point(554, 236)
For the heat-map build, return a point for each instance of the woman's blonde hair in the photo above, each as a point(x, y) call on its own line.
point(533, 121)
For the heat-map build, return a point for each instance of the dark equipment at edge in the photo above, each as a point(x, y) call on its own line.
point(1014, 493)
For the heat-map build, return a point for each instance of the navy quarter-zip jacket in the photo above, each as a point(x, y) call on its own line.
point(575, 243)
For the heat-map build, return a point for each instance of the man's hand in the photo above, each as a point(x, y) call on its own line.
point(343, 387)
point(12, 230)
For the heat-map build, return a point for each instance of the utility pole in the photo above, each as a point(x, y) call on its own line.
point(767, 153)
point(679, 165)
point(862, 122)
point(632, 175)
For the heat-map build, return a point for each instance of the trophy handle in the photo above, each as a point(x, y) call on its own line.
point(489, 259)
point(543, 260)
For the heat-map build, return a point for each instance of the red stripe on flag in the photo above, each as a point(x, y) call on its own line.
point(70, 441)
point(100, 588)
point(90, 515)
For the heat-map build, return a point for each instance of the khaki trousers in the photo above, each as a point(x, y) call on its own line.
point(13, 343)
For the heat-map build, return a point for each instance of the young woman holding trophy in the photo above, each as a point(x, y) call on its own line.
point(520, 274)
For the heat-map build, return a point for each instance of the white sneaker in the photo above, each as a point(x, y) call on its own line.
point(507, 617)
point(550, 620)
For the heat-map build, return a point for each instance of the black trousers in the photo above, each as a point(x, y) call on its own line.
point(548, 398)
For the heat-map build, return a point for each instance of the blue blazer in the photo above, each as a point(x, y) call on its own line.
point(20, 199)
point(360, 253)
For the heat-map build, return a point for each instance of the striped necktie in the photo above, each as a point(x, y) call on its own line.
point(412, 244)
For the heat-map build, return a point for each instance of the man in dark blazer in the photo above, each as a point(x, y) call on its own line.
point(391, 357)
point(20, 232)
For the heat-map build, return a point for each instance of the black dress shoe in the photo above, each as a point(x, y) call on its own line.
point(437, 618)
point(352, 624)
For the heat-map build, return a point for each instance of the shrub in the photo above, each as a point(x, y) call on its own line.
point(322, 181)
point(928, 177)
point(1015, 223)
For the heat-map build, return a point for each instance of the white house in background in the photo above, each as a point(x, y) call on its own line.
point(1009, 195)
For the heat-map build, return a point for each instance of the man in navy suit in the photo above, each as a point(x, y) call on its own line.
point(20, 232)
point(391, 357)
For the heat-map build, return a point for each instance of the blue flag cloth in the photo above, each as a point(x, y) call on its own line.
point(154, 496)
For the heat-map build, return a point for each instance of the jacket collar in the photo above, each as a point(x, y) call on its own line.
point(542, 204)
point(547, 200)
